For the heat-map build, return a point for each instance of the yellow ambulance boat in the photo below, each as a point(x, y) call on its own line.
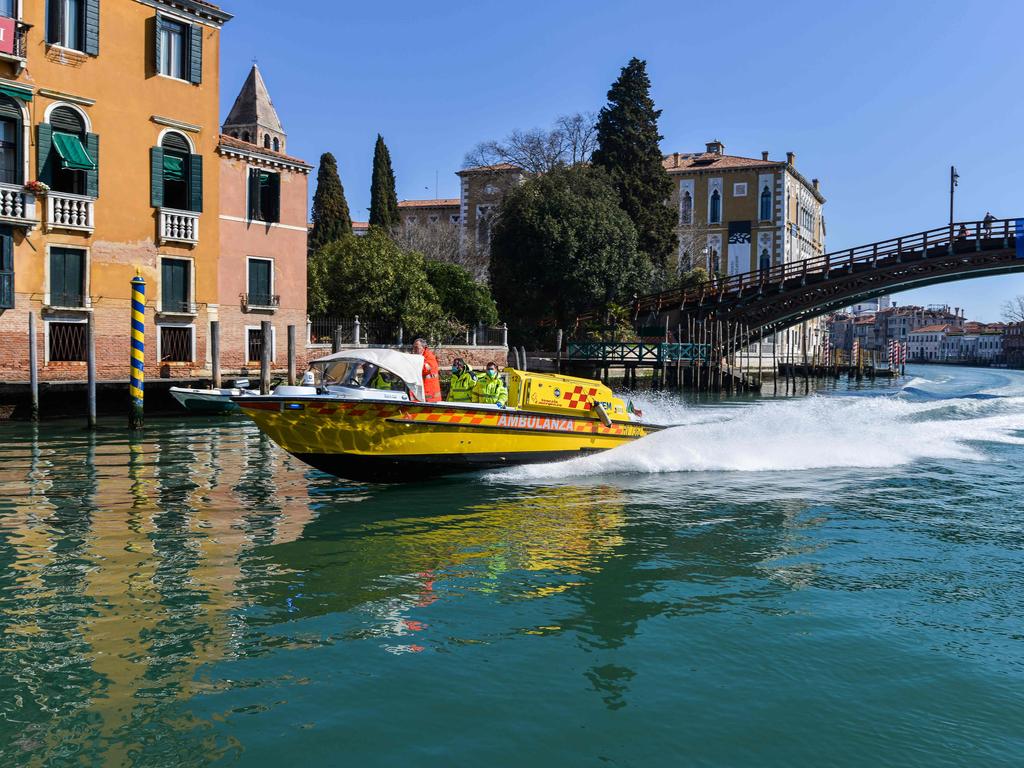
point(339, 424)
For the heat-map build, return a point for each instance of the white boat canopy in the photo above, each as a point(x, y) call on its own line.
point(409, 368)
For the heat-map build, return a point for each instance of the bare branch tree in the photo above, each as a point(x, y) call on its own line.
point(693, 243)
point(1013, 310)
point(572, 140)
point(439, 241)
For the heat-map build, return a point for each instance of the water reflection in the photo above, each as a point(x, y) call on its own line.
point(135, 568)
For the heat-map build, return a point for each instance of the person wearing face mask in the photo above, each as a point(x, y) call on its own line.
point(460, 389)
point(490, 388)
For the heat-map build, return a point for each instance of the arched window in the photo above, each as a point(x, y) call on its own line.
point(266, 141)
point(766, 204)
point(715, 208)
point(277, 144)
point(10, 141)
point(70, 162)
point(245, 137)
point(176, 170)
point(686, 208)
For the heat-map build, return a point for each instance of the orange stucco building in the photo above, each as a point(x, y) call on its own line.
point(108, 137)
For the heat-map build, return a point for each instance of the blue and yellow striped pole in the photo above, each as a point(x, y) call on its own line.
point(136, 385)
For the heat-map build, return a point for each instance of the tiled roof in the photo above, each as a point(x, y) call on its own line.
point(698, 161)
point(445, 202)
point(361, 226)
point(490, 168)
point(233, 143)
point(932, 329)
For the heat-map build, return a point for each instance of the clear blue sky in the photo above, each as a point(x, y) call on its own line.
point(877, 99)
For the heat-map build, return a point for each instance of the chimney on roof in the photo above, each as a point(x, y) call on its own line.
point(716, 147)
point(791, 158)
point(815, 183)
point(675, 159)
point(764, 155)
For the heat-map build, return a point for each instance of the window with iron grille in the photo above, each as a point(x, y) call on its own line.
point(175, 344)
point(67, 342)
point(254, 343)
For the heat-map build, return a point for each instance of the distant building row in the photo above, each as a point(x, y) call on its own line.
point(932, 334)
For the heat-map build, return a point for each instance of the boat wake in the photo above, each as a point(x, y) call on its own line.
point(816, 432)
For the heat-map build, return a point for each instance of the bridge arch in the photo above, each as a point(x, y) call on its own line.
point(768, 301)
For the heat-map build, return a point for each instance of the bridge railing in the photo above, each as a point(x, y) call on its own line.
point(961, 236)
point(637, 353)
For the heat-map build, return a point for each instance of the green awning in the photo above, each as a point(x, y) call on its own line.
point(16, 93)
point(72, 154)
point(174, 168)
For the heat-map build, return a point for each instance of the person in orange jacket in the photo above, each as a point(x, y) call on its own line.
point(431, 371)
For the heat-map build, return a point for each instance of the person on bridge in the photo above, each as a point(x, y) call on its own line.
point(460, 388)
point(490, 388)
point(961, 233)
point(987, 221)
point(431, 372)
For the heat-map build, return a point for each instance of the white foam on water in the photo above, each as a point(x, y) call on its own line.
point(816, 432)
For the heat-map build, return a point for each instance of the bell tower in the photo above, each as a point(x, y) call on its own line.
point(253, 117)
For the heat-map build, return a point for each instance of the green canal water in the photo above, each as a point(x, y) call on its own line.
point(833, 580)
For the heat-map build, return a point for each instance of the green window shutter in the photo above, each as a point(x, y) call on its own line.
point(92, 27)
point(195, 183)
point(195, 54)
point(275, 197)
point(153, 25)
point(174, 285)
point(259, 281)
point(92, 177)
point(156, 177)
point(56, 275)
point(45, 156)
point(254, 194)
point(6, 268)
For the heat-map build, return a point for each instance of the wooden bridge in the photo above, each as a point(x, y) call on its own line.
point(767, 301)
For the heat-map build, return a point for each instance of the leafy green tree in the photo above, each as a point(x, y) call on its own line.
point(331, 217)
point(383, 199)
point(628, 149)
point(372, 277)
point(461, 297)
point(561, 246)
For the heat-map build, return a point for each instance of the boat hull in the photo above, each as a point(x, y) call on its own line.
point(396, 442)
point(204, 400)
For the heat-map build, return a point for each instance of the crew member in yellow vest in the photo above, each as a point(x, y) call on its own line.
point(460, 388)
point(490, 388)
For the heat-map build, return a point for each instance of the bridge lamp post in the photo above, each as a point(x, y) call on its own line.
point(954, 178)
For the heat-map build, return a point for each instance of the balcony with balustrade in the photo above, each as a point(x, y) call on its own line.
point(17, 207)
point(69, 212)
point(177, 226)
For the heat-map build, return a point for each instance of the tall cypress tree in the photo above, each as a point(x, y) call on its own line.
point(628, 149)
point(383, 200)
point(331, 217)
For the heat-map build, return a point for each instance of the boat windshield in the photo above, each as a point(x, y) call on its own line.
point(356, 373)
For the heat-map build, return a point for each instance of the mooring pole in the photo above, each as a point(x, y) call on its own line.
point(265, 342)
point(90, 371)
point(33, 365)
point(215, 353)
point(291, 355)
point(136, 384)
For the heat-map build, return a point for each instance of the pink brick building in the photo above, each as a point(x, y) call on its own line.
point(263, 231)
